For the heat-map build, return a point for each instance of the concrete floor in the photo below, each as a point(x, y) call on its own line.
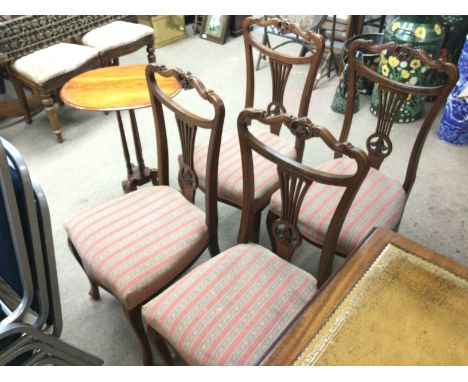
point(88, 168)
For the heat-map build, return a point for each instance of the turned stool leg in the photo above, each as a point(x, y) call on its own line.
point(151, 56)
point(49, 107)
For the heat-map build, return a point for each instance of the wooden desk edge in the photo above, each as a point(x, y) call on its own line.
point(285, 352)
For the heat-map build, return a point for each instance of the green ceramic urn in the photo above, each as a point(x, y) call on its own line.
point(422, 32)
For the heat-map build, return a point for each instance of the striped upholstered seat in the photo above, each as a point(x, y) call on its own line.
point(380, 201)
point(230, 309)
point(135, 244)
point(230, 166)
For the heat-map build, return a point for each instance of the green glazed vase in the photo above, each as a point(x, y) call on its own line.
point(421, 32)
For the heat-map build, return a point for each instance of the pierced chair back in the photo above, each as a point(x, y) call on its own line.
point(392, 96)
point(281, 65)
point(187, 123)
point(295, 179)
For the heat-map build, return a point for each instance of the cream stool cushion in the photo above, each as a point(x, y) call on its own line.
point(51, 62)
point(115, 34)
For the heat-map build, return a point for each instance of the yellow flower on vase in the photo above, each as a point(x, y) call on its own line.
point(420, 32)
point(437, 29)
point(415, 63)
point(405, 74)
point(393, 61)
point(385, 70)
point(396, 26)
point(383, 59)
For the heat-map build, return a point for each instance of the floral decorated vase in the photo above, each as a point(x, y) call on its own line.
point(456, 28)
point(421, 32)
point(454, 124)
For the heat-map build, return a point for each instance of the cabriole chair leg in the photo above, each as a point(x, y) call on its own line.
point(94, 288)
point(162, 346)
point(134, 316)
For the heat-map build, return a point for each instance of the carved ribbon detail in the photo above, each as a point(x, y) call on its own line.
point(405, 53)
point(184, 81)
point(303, 128)
point(283, 27)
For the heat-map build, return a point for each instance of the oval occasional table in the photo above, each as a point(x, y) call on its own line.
point(119, 88)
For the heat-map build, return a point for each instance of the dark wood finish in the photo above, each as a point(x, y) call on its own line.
point(188, 123)
point(289, 346)
point(96, 90)
point(295, 179)
point(158, 99)
point(287, 167)
point(392, 95)
point(280, 65)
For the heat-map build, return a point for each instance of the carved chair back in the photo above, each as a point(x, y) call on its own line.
point(392, 96)
point(281, 65)
point(24, 35)
point(295, 179)
point(187, 123)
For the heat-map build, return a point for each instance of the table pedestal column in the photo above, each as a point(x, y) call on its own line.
point(139, 174)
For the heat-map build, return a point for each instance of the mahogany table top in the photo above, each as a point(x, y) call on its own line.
point(114, 88)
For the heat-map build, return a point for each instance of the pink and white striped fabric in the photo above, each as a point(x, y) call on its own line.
point(230, 309)
point(380, 202)
point(137, 243)
point(230, 165)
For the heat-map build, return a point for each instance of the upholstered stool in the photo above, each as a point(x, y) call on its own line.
point(118, 39)
point(54, 61)
point(48, 69)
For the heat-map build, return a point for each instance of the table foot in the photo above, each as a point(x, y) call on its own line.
point(136, 179)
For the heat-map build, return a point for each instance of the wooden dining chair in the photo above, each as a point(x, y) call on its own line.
point(135, 245)
point(231, 309)
point(381, 199)
point(230, 171)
